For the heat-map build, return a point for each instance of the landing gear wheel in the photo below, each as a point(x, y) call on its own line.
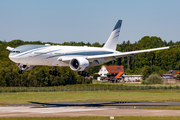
point(59, 74)
point(50, 72)
point(80, 72)
point(55, 73)
point(88, 74)
point(20, 71)
point(83, 73)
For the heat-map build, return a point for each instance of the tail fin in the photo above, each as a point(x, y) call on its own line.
point(111, 42)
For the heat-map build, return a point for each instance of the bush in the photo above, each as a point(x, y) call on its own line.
point(88, 81)
point(95, 76)
point(144, 82)
point(154, 79)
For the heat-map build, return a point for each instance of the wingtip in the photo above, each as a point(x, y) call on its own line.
point(173, 46)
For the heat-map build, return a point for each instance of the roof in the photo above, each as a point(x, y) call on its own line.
point(175, 75)
point(132, 75)
point(114, 68)
point(166, 74)
point(119, 75)
point(174, 72)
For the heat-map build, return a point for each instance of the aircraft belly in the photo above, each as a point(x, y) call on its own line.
point(59, 63)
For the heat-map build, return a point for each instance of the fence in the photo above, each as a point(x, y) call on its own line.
point(83, 88)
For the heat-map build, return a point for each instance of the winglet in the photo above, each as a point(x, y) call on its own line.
point(173, 46)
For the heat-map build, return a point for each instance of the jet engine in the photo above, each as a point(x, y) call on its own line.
point(79, 64)
point(25, 67)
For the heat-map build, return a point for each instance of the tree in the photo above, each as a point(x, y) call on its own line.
point(96, 44)
point(146, 71)
point(154, 79)
point(178, 75)
point(177, 67)
point(95, 76)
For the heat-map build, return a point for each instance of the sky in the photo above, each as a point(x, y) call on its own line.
point(91, 21)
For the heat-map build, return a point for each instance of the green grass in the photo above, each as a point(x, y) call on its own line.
point(133, 84)
point(145, 95)
point(94, 118)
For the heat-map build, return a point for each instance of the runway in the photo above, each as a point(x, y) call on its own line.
point(77, 111)
point(87, 108)
point(101, 104)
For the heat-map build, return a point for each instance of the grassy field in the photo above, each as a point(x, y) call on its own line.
point(94, 118)
point(134, 84)
point(145, 95)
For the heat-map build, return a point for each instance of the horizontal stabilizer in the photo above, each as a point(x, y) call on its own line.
point(9, 48)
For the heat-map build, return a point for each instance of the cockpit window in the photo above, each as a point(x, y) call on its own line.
point(16, 51)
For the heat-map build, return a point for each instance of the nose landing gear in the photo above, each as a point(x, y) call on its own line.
point(21, 66)
point(20, 71)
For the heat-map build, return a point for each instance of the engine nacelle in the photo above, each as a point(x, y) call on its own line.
point(25, 67)
point(79, 64)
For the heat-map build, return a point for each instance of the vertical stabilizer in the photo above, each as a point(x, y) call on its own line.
point(111, 42)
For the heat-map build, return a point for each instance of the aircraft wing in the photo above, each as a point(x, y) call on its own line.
point(114, 56)
point(123, 54)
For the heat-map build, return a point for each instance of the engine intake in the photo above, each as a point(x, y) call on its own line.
point(79, 64)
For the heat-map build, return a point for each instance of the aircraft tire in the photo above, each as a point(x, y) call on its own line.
point(88, 74)
point(59, 74)
point(20, 71)
point(83, 73)
point(80, 73)
point(50, 72)
point(54, 73)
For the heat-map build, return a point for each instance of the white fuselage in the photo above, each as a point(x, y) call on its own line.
point(50, 54)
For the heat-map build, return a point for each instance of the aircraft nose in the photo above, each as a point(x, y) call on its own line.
point(13, 58)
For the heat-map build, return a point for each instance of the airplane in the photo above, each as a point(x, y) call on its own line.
point(78, 58)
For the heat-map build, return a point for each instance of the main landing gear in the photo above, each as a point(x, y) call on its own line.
point(83, 73)
point(55, 73)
